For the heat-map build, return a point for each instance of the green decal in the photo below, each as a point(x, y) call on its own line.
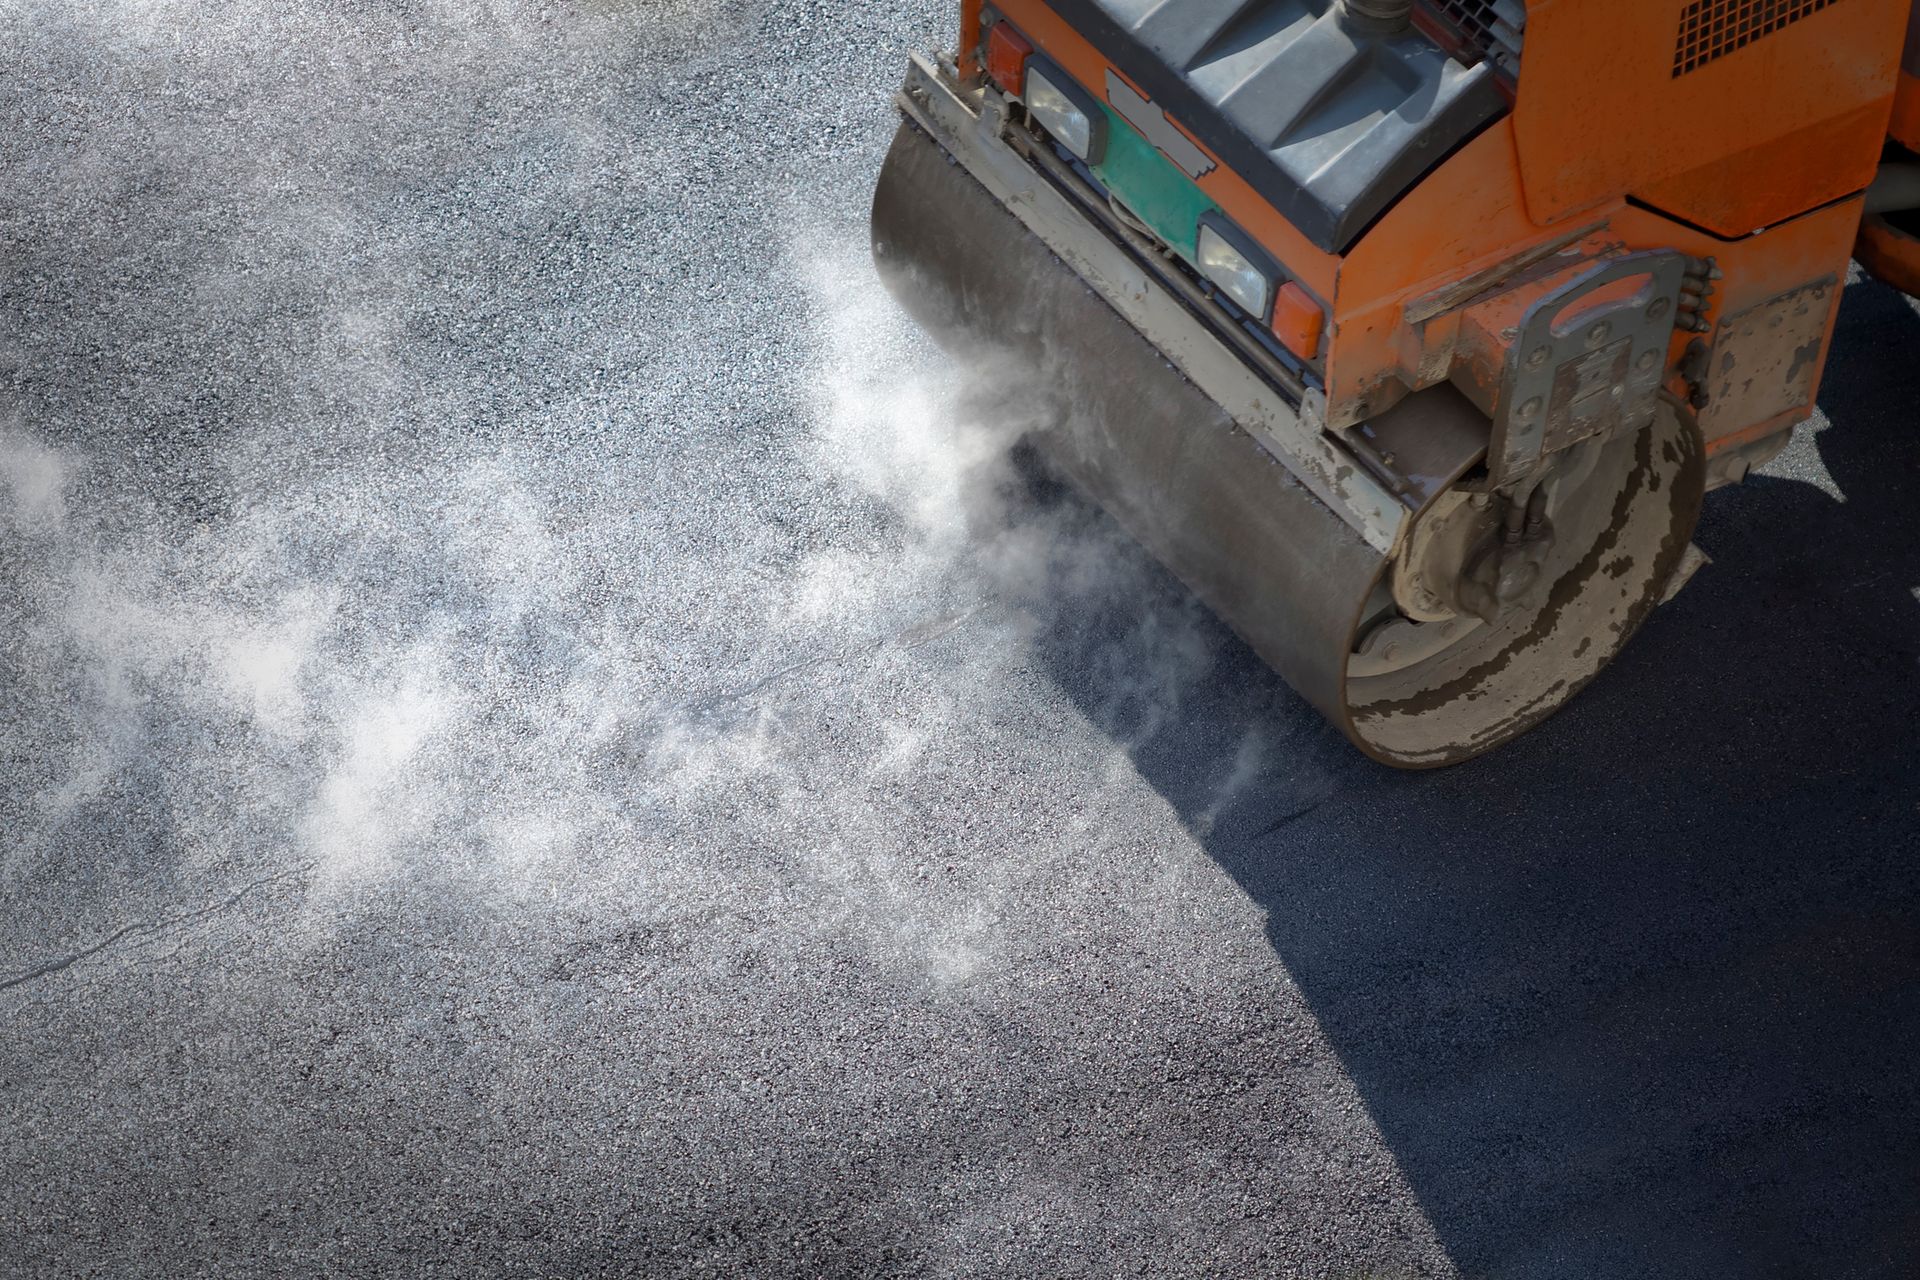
point(1152, 187)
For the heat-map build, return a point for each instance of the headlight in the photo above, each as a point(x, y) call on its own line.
point(1236, 267)
point(1065, 111)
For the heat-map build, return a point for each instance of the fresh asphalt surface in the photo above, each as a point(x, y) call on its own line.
point(540, 734)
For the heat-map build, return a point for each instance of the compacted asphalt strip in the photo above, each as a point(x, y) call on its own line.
point(545, 731)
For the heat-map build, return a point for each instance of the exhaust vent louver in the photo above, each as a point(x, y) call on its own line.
point(1488, 30)
point(1712, 29)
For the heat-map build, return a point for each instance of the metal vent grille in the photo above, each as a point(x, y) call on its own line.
point(1712, 29)
point(1487, 30)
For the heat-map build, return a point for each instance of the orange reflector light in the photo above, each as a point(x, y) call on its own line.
point(1007, 54)
point(1297, 321)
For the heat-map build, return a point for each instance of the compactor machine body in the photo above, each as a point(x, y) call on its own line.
point(1410, 333)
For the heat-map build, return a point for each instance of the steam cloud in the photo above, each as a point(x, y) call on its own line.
point(339, 568)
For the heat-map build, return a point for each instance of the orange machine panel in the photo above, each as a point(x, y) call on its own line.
point(1392, 339)
point(1657, 98)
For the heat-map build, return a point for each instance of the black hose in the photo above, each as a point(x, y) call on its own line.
point(1895, 188)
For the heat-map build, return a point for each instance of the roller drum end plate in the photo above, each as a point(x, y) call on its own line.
point(1620, 537)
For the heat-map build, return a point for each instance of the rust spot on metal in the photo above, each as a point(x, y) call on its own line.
point(1562, 594)
point(1766, 358)
point(1803, 357)
point(1627, 616)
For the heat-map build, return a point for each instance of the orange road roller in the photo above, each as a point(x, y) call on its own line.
point(1410, 333)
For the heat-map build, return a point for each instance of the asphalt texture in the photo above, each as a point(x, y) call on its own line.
point(542, 734)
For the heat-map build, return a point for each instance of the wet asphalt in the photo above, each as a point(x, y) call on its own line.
point(541, 734)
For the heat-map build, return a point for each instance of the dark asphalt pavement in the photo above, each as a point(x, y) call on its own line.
point(542, 734)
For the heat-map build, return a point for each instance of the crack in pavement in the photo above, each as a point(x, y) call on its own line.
point(927, 632)
point(147, 926)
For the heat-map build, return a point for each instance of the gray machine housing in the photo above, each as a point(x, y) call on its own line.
point(1329, 121)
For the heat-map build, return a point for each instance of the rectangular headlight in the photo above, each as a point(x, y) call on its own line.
point(1236, 267)
point(1065, 111)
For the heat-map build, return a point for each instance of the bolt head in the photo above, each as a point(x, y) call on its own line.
point(1600, 333)
point(1658, 309)
point(1647, 360)
point(1531, 409)
point(1539, 357)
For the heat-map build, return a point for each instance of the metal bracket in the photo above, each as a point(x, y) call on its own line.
point(1576, 371)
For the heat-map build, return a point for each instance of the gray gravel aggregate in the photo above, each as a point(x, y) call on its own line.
point(544, 733)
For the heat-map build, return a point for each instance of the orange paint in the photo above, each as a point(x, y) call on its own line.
point(1760, 430)
point(1422, 244)
point(1892, 255)
point(1297, 321)
point(1601, 113)
point(1754, 157)
point(968, 60)
point(1007, 54)
point(1732, 196)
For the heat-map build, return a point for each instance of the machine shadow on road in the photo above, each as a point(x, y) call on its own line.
point(1639, 994)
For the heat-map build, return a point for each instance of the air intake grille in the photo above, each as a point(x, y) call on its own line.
point(1712, 29)
point(1487, 30)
